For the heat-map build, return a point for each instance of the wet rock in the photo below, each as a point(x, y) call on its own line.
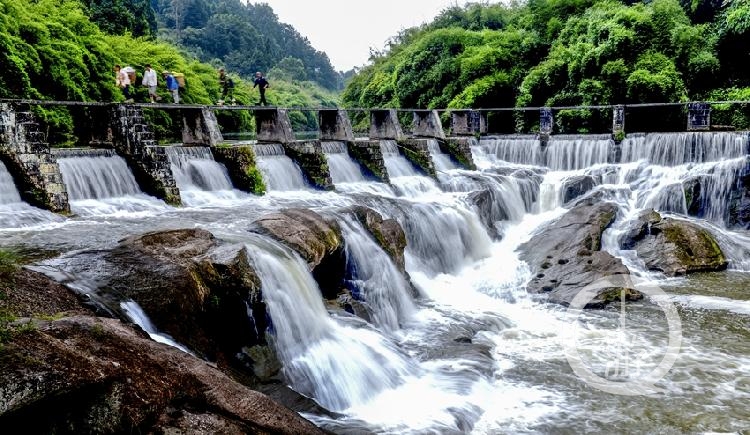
point(739, 201)
point(575, 187)
point(387, 232)
point(673, 247)
point(89, 375)
point(316, 239)
point(490, 209)
point(566, 256)
point(192, 288)
point(692, 190)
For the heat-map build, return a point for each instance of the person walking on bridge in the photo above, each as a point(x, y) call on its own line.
point(122, 80)
point(262, 85)
point(149, 81)
point(172, 86)
point(227, 87)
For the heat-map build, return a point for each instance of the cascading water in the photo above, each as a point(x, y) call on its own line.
point(103, 184)
point(13, 212)
point(8, 192)
point(280, 173)
point(199, 177)
point(375, 278)
point(441, 160)
point(403, 174)
point(522, 150)
point(343, 168)
point(315, 349)
point(569, 153)
point(135, 313)
point(673, 149)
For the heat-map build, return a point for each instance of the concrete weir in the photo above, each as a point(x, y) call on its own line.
point(336, 126)
point(27, 156)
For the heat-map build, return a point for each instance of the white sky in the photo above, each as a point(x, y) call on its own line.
point(346, 29)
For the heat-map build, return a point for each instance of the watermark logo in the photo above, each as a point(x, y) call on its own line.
point(628, 368)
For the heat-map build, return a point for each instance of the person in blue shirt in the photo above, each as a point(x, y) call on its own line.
point(262, 84)
point(172, 86)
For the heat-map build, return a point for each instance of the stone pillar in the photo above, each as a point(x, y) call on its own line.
point(699, 117)
point(310, 158)
point(134, 141)
point(546, 124)
point(369, 154)
point(27, 156)
point(384, 125)
point(468, 123)
point(418, 152)
point(427, 124)
point(335, 125)
point(618, 122)
point(200, 128)
point(273, 125)
point(241, 166)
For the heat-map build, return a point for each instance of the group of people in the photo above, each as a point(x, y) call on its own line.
point(124, 78)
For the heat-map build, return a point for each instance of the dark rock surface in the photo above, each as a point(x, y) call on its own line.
point(92, 375)
point(566, 256)
point(575, 187)
point(672, 246)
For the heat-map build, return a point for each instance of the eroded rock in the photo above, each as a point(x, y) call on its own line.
point(566, 256)
point(673, 247)
point(92, 375)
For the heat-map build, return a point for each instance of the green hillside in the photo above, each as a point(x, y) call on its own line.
point(565, 53)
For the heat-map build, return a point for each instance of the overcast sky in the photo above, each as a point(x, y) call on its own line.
point(346, 29)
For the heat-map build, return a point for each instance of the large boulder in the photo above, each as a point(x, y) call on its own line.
point(566, 257)
point(315, 238)
point(672, 246)
point(93, 375)
point(191, 287)
point(387, 232)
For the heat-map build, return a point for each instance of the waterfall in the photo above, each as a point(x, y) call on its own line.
point(524, 150)
point(100, 177)
point(396, 164)
point(441, 160)
point(135, 313)
point(565, 153)
point(194, 168)
point(199, 177)
point(673, 149)
point(375, 278)
point(404, 176)
point(8, 192)
point(280, 173)
point(339, 365)
point(343, 168)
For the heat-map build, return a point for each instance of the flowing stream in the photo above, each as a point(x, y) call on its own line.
point(460, 346)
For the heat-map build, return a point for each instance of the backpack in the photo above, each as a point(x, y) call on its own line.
point(131, 74)
point(180, 77)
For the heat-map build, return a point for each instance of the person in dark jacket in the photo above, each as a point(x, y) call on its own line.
point(262, 85)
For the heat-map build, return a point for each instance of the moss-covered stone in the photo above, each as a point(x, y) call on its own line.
point(242, 167)
point(417, 151)
point(310, 158)
point(460, 149)
point(370, 156)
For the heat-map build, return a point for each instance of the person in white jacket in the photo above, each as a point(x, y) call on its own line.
point(122, 80)
point(149, 80)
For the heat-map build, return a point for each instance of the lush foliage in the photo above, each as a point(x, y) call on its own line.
point(563, 53)
point(243, 36)
point(53, 51)
point(123, 16)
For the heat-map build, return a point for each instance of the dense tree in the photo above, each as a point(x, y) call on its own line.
point(121, 16)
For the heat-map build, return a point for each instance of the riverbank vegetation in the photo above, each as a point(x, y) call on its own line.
point(566, 53)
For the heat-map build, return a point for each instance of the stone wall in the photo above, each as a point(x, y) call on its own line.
point(200, 128)
point(133, 139)
point(241, 166)
point(370, 156)
point(26, 154)
point(310, 158)
point(460, 149)
point(418, 152)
